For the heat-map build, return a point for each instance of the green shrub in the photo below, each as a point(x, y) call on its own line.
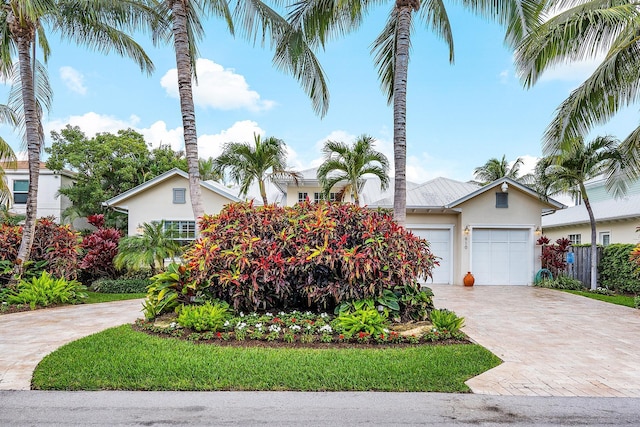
point(167, 291)
point(207, 317)
point(45, 290)
point(445, 320)
point(636, 301)
point(417, 303)
point(311, 255)
point(562, 282)
point(617, 271)
point(121, 286)
point(368, 320)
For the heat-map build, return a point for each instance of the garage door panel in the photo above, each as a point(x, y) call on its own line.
point(440, 245)
point(501, 256)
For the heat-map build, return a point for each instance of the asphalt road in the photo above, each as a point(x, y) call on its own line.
point(117, 408)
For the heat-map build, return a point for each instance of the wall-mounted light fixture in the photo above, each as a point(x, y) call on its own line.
point(467, 230)
point(538, 231)
point(504, 187)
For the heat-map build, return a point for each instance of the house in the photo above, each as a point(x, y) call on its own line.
point(616, 219)
point(50, 201)
point(166, 197)
point(490, 231)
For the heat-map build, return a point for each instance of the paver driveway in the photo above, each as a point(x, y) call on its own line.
point(25, 338)
point(552, 343)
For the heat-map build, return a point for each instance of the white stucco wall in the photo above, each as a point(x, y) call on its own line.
point(620, 231)
point(50, 203)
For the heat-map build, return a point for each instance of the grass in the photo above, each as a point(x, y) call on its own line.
point(98, 297)
point(613, 299)
point(123, 359)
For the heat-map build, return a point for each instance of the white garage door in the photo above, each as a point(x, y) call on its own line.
point(440, 244)
point(501, 256)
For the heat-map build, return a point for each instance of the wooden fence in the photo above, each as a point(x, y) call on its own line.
point(581, 267)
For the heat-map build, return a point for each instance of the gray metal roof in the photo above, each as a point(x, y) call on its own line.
point(437, 192)
point(606, 210)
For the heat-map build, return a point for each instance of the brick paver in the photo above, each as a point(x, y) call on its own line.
point(25, 338)
point(552, 343)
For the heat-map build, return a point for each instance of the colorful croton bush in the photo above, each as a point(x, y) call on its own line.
point(99, 249)
point(306, 256)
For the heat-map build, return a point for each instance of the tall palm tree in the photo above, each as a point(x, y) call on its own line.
point(7, 156)
point(99, 24)
point(246, 163)
point(207, 173)
point(147, 250)
point(323, 18)
point(568, 170)
point(291, 54)
point(585, 31)
point(345, 163)
point(495, 169)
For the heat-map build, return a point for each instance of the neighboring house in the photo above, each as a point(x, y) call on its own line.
point(50, 201)
point(166, 197)
point(616, 219)
point(490, 231)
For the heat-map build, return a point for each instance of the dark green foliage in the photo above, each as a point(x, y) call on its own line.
point(307, 256)
point(364, 319)
point(445, 320)
point(617, 271)
point(562, 282)
point(206, 317)
point(121, 286)
point(167, 291)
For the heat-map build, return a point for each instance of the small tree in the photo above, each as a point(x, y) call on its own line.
point(100, 248)
point(148, 250)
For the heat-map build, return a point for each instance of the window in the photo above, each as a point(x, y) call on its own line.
point(605, 238)
point(575, 239)
point(20, 191)
point(317, 197)
point(302, 197)
point(179, 195)
point(502, 200)
point(182, 231)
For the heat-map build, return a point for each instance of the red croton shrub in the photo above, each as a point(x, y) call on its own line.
point(308, 255)
point(99, 248)
point(554, 255)
point(54, 243)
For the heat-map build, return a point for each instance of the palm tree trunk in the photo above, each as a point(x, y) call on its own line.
point(32, 126)
point(400, 110)
point(263, 192)
point(183, 64)
point(594, 245)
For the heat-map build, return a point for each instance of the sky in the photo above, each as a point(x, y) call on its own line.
point(458, 116)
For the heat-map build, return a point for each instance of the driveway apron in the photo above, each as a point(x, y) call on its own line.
point(27, 337)
point(552, 343)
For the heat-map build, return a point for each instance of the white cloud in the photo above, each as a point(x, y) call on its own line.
point(92, 123)
point(528, 164)
point(73, 79)
point(218, 88)
point(575, 72)
point(504, 76)
point(243, 131)
point(158, 134)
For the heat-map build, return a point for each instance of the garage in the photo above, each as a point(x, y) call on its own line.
point(501, 256)
point(440, 244)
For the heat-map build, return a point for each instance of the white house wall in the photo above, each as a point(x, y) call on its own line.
point(50, 203)
point(619, 231)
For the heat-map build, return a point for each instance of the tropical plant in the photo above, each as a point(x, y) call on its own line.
point(167, 291)
point(387, 304)
point(206, 169)
point(99, 249)
point(350, 164)
point(445, 320)
point(416, 302)
point(147, 250)
point(579, 31)
point(45, 290)
point(367, 320)
point(553, 256)
point(246, 164)
point(617, 270)
point(291, 54)
point(206, 317)
point(567, 171)
point(495, 169)
point(121, 286)
point(7, 156)
point(98, 24)
point(321, 20)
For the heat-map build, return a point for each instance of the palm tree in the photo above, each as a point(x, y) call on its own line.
point(205, 166)
point(568, 170)
point(7, 156)
point(292, 54)
point(584, 31)
point(350, 164)
point(98, 24)
point(495, 169)
point(322, 19)
point(150, 249)
point(247, 163)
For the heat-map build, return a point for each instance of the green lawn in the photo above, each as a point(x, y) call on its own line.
point(123, 359)
point(614, 299)
point(96, 297)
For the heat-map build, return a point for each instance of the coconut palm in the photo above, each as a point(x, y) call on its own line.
point(495, 169)
point(585, 31)
point(291, 54)
point(246, 163)
point(322, 19)
point(567, 171)
point(350, 163)
point(147, 250)
point(99, 24)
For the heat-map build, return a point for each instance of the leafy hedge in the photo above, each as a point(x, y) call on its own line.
point(617, 271)
point(121, 286)
point(308, 255)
